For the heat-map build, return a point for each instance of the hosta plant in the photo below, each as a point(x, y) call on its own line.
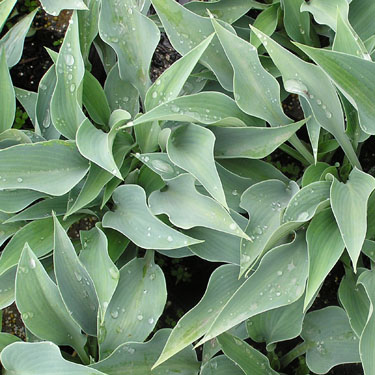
point(175, 167)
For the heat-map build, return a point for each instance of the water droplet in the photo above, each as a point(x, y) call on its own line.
point(69, 59)
point(114, 314)
point(72, 87)
point(303, 216)
point(233, 226)
point(170, 239)
point(234, 192)
point(152, 276)
point(78, 276)
point(19, 179)
point(140, 317)
point(114, 273)
point(25, 316)
point(162, 166)
point(295, 86)
point(279, 273)
point(32, 263)
point(154, 95)
point(151, 321)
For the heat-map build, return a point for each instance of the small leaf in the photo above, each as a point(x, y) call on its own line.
point(6, 7)
point(221, 365)
point(7, 339)
point(7, 282)
point(8, 98)
point(133, 218)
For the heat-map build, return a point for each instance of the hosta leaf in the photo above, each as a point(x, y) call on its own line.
point(169, 85)
point(147, 136)
point(160, 164)
point(7, 339)
point(277, 325)
point(53, 8)
point(195, 323)
point(93, 94)
point(74, 282)
point(135, 306)
point(41, 306)
point(251, 142)
point(218, 246)
point(38, 234)
point(43, 209)
point(305, 202)
point(186, 29)
point(70, 71)
point(360, 16)
point(133, 219)
point(52, 167)
point(297, 23)
point(186, 208)
point(43, 105)
point(8, 98)
point(349, 205)
point(354, 299)
point(264, 202)
point(7, 227)
point(28, 101)
point(325, 247)
point(40, 358)
point(204, 107)
point(124, 28)
point(6, 7)
point(120, 93)
point(278, 281)
point(313, 173)
point(311, 83)
point(325, 12)
point(255, 96)
point(7, 282)
point(251, 361)
point(221, 365)
point(141, 356)
point(191, 147)
point(88, 28)
point(96, 146)
point(103, 272)
point(367, 350)
point(330, 339)
point(14, 39)
point(353, 76)
point(227, 11)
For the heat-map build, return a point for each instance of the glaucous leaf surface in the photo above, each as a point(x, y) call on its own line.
point(186, 208)
point(8, 99)
point(74, 282)
point(186, 30)
point(330, 339)
point(349, 205)
point(134, 219)
point(6, 7)
point(40, 303)
point(7, 339)
point(221, 365)
point(281, 324)
point(139, 357)
point(195, 323)
point(53, 8)
point(40, 358)
point(278, 281)
point(7, 287)
point(325, 247)
point(360, 16)
point(135, 307)
point(52, 167)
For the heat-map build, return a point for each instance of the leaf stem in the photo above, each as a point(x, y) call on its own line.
point(293, 354)
point(301, 148)
point(82, 354)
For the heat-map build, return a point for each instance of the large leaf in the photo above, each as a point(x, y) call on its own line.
point(311, 83)
point(14, 39)
point(103, 272)
point(8, 98)
point(6, 7)
point(169, 85)
point(38, 234)
point(42, 307)
point(74, 282)
point(7, 280)
point(360, 15)
point(251, 361)
point(367, 349)
point(353, 76)
point(191, 147)
point(141, 356)
point(349, 205)
point(40, 358)
point(7, 339)
point(70, 70)
point(354, 299)
point(186, 208)
point(330, 340)
point(96, 146)
point(251, 142)
point(124, 28)
point(7, 227)
point(195, 323)
point(52, 167)
point(186, 29)
point(204, 107)
point(134, 219)
point(221, 365)
point(53, 8)
point(325, 247)
point(28, 101)
point(135, 306)
point(264, 202)
point(278, 281)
